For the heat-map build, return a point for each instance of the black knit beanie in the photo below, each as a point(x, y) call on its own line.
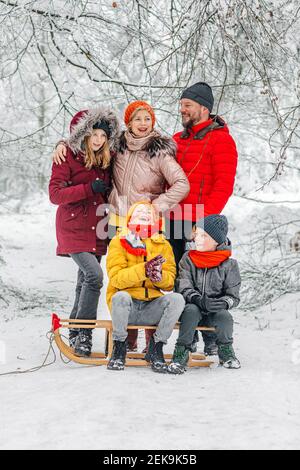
point(200, 92)
point(104, 126)
point(216, 226)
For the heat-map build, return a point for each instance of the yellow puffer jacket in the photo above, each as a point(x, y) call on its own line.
point(126, 272)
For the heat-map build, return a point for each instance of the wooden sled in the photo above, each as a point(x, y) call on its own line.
point(102, 358)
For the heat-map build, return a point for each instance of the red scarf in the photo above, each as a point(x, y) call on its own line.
point(209, 259)
point(139, 251)
point(133, 242)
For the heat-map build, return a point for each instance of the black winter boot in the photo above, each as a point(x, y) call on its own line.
point(211, 349)
point(179, 361)
point(73, 333)
point(83, 343)
point(117, 360)
point(155, 356)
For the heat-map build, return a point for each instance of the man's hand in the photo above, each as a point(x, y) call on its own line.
point(60, 153)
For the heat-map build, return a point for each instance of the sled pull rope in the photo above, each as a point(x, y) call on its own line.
point(50, 338)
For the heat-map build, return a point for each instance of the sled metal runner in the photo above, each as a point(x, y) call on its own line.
point(102, 358)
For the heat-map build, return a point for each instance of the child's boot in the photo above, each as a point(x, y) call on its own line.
point(155, 356)
point(83, 343)
point(211, 348)
point(118, 358)
point(227, 357)
point(179, 361)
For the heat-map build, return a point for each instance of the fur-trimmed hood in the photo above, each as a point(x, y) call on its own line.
point(82, 126)
point(156, 145)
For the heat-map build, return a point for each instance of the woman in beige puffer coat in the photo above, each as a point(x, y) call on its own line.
point(145, 167)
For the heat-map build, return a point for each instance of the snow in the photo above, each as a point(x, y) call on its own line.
point(68, 406)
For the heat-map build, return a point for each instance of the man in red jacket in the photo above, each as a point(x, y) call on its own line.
point(208, 155)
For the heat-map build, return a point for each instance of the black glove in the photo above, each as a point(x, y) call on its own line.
point(215, 305)
point(200, 302)
point(99, 186)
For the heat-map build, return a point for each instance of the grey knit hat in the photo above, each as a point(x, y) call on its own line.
point(200, 92)
point(216, 226)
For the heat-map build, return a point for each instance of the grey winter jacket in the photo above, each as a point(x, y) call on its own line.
point(222, 282)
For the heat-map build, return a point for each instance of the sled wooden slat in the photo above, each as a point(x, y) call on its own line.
point(193, 363)
point(196, 360)
point(101, 358)
point(137, 355)
point(154, 327)
point(67, 323)
point(70, 323)
point(136, 362)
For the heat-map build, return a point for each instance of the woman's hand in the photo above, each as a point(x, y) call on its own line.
point(60, 153)
point(156, 212)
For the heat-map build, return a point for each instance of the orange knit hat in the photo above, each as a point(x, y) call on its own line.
point(132, 107)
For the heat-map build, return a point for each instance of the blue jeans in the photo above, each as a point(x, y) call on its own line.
point(89, 283)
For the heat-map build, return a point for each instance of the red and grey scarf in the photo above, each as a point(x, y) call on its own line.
point(133, 242)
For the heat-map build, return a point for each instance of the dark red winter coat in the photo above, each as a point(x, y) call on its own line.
point(208, 157)
point(81, 223)
point(76, 218)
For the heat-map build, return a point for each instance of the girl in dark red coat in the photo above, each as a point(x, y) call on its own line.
point(80, 188)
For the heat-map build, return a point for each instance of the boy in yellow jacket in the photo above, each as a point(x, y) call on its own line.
point(141, 266)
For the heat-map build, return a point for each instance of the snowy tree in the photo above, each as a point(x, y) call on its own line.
point(60, 56)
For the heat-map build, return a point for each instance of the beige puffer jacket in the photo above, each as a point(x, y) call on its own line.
point(146, 169)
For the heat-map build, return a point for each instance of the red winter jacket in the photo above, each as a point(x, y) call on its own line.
point(76, 219)
point(208, 157)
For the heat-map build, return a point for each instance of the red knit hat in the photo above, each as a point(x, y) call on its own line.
point(132, 107)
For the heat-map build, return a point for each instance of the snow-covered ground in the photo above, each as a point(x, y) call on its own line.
point(68, 406)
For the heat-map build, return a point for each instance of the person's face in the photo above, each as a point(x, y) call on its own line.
point(97, 139)
point(142, 215)
point(192, 113)
point(141, 123)
point(203, 241)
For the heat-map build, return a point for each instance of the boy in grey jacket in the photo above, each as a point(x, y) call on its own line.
point(209, 280)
